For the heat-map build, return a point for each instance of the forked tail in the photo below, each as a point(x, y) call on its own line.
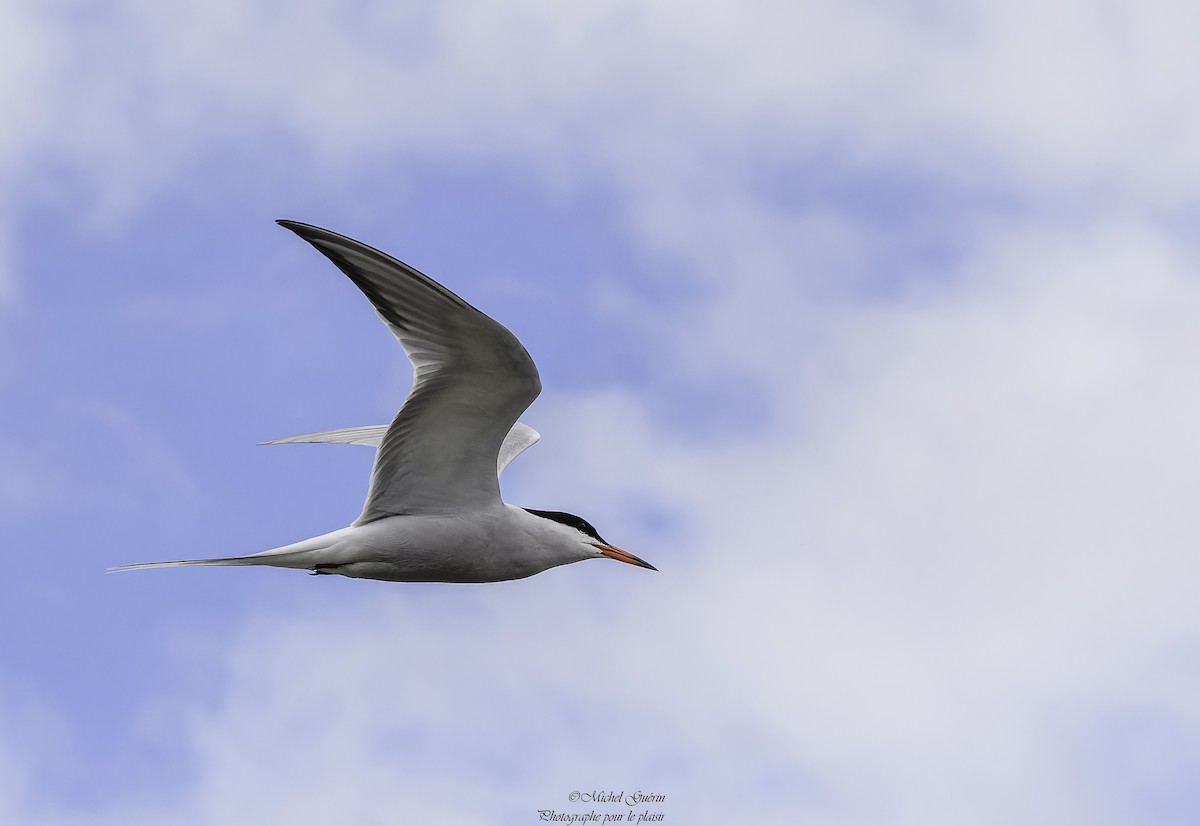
point(305, 555)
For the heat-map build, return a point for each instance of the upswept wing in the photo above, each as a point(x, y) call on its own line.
point(471, 380)
point(519, 438)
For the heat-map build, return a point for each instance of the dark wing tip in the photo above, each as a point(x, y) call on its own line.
point(308, 232)
point(321, 238)
point(333, 245)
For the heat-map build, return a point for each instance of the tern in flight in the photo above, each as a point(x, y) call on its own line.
point(433, 510)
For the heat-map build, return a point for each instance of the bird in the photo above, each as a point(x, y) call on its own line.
point(433, 511)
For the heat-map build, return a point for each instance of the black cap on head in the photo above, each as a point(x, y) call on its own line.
point(571, 520)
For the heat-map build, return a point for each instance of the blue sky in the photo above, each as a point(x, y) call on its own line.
point(871, 327)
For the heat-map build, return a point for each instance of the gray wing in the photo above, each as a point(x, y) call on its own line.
point(519, 438)
point(471, 380)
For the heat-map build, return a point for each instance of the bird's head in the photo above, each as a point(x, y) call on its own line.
point(587, 542)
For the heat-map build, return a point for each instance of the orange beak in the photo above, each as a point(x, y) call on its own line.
point(613, 552)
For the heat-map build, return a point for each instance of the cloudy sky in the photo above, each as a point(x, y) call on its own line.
point(874, 326)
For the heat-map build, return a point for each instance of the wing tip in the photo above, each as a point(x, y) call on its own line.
point(320, 237)
point(299, 227)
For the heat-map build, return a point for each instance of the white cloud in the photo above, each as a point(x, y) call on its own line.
point(654, 97)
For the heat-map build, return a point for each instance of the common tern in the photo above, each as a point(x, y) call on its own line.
point(433, 511)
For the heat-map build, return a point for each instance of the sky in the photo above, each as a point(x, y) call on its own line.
point(872, 326)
